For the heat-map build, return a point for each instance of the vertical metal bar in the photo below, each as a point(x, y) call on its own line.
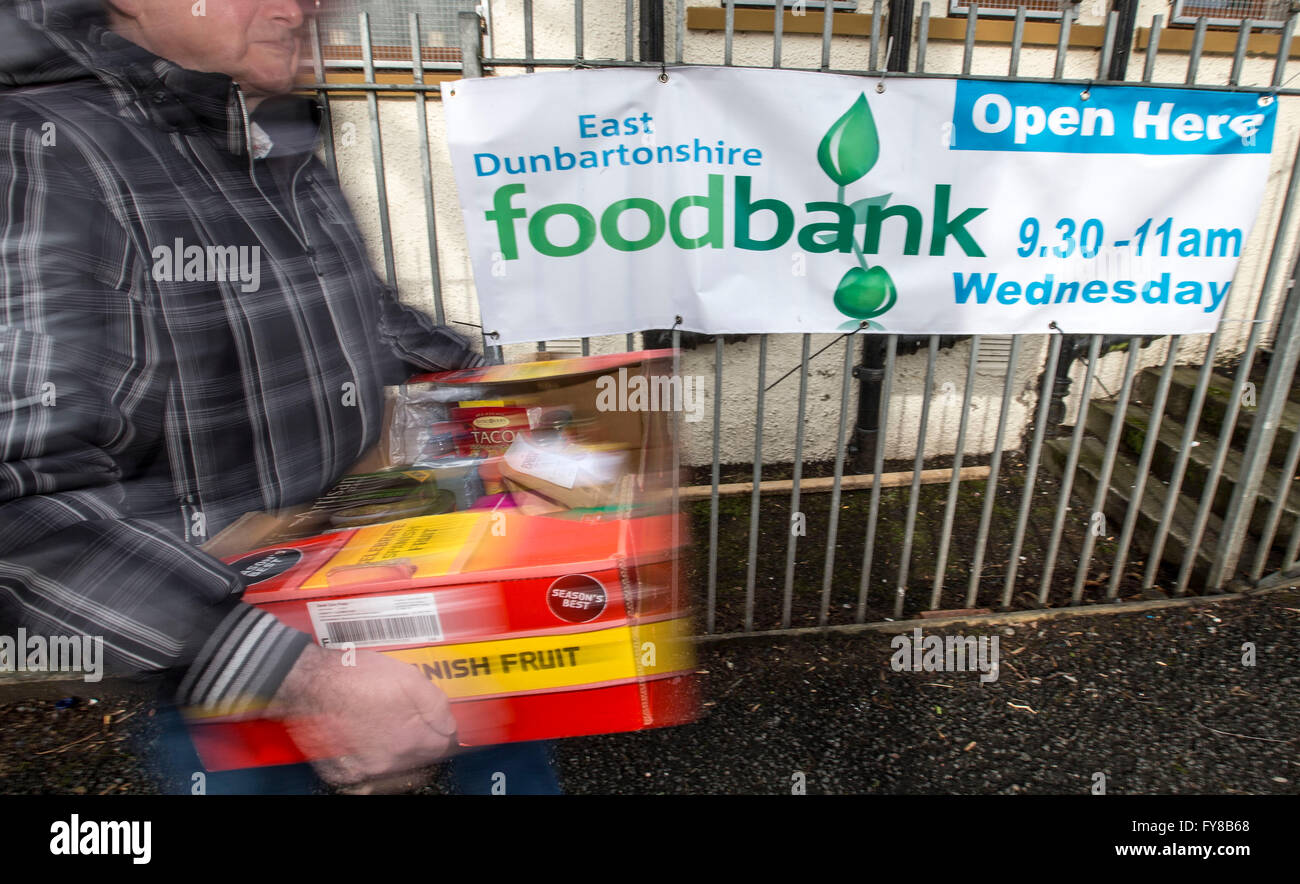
point(1017, 37)
point(1239, 54)
point(676, 422)
point(922, 37)
point(968, 50)
point(995, 463)
point(1031, 470)
point(1198, 44)
point(1107, 468)
point(1067, 476)
point(471, 44)
point(377, 151)
point(528, 34)
point(1107, 46)
point(1153, 48)
point(426, 173)
point(788, 600)
point(954, 484)
point(680, 31)
point(1292, 548)
point(711, 610)
point(1144, 466)
point(577, 30)
point(833, 528)
point(868, 548)
point(1063, 41)
point(729, 32)
point(1175, 486)
point(918, 463)
point(470, 39)
point(629, 25)
point(1284, 50)
point(323, 96)
point(876, 18)
point(828, 22)
point(1281, 494)
point(586, 346)
point(1263, 432)
point(778, 31)
point(758, 479)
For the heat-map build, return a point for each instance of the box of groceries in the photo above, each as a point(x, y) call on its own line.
point(513, 540)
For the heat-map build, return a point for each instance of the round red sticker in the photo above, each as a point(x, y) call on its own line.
point(577, 598)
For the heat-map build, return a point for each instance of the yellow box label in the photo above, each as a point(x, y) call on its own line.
point(548, 662)
point(432, 545)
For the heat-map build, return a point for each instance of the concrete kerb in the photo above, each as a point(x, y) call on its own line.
point(27, 686)
point(1002, 618)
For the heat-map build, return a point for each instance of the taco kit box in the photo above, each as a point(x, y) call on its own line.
point(539, 621)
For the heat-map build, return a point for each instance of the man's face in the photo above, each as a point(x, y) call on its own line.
point(255, 42)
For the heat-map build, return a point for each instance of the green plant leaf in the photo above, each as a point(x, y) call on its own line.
point(861, 206)
point(851, 145)
point(864, 294)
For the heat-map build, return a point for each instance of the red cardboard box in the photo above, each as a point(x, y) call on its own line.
point(537, 626)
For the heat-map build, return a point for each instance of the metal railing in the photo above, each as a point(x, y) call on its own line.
point(1032, 557)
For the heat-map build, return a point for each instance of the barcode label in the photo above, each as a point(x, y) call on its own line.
point(376, 621)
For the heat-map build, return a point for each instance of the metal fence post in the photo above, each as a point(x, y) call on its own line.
point(471, 60)
point(1281, 371)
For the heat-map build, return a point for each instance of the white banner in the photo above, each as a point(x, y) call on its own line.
point(749, 200)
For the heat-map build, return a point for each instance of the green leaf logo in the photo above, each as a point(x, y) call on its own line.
point(861, 207)
point(851, 146)
point(863, 294)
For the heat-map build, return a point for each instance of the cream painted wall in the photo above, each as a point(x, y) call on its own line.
point(604, 39)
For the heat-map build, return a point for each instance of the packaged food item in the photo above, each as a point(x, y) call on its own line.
point(460, 477)
point(421, 504)
point(402, 491)
point(566, 472)
point(490, 429)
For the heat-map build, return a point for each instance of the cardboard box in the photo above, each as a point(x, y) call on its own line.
point(538, 621)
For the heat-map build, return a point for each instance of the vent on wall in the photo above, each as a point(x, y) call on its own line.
point(995, 354)
point(565, 346)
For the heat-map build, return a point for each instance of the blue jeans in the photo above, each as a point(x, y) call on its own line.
point(513, 768)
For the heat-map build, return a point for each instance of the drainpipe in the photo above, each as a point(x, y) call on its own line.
point(652, 30)
point(898, 34)
point(1076, 346)
point(871, 373)
point(1124, 26)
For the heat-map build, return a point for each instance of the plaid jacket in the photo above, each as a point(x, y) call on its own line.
point(188, 332)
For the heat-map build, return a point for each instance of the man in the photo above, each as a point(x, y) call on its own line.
point(191, 330)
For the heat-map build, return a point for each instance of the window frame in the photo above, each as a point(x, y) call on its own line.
point(809, 5)
point(330, 61)
point(961, 9)
point(1177, 18)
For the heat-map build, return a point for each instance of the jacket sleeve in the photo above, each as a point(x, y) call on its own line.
point(418, 343)
point(82, 394)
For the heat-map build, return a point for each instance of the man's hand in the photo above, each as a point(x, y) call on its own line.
point(360, 722)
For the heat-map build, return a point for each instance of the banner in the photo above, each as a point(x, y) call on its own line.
point(749, 200)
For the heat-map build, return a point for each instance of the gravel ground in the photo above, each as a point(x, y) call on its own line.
point(1159, 701)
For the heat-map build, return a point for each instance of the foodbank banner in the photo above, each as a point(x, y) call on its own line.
point(600, 202)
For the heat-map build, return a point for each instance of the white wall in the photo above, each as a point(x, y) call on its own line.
point(604, 39)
